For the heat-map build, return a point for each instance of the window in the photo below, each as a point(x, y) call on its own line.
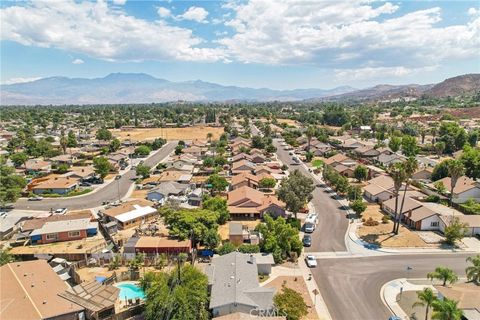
point(73, 234)
point(434, 224)
point(52, 236)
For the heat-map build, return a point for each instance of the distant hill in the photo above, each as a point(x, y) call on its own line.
point(467, 84)
point(143, 88)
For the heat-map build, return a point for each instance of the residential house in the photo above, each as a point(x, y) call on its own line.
point(408, 205)
point(248, 179)
point(156, 245)
point(367, 152)
point(58, 185)
point(166, 189)
point(346, 171)
point(241, 156)
point(472, 221)
point(466, 295)
point(242, 166)
point(423, 174)
point(195, 151)
point(67, 159)
point(64, 230)
point(81, 173)
point(336, 159)
point(195, 197)
point(37, 166)
point(175, 176)
point(130, 214)
point(248, 202)
point(234, 286)
point(381, 188)
point(236, 233)
point(465, 188)
point(98, 299)
point(387, 160)
point(31, 290)
point(320, 149)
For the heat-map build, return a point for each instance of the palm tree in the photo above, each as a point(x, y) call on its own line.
point(397, 172)
point(444, 274)
point(446, 309)
point(473, 271)
point(63, 142)
point(455, 171)
point(410, 166)
point(310, 134)
point(425, 299)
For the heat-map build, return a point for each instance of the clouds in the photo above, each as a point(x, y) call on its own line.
point(21, 80)
point(100, 31)
point(197, 14)
point(335, 34)
point(358, 39)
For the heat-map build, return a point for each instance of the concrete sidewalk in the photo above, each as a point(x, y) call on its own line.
point(392, 289)
point(303, 271)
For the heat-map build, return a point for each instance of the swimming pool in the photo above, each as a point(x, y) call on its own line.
point(130, 291)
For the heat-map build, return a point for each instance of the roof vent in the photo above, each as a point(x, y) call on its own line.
point(44, 302)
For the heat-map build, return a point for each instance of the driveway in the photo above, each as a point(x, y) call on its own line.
point(351, 286)
point(329, 236)
point(113, 191)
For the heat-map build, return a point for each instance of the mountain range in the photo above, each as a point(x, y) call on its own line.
point(143, 88)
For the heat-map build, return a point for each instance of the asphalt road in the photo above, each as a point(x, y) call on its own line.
point(351, 286)
point(111, 192)
point(329, 235)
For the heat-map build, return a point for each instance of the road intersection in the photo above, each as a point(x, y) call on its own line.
point(349, 276)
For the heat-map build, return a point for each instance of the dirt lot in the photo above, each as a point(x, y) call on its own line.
point(188, 133)
point(299, 286)
point(223, 229)
point(71, 247)
point(381, 234)
point(139, 194)
point(465, 113)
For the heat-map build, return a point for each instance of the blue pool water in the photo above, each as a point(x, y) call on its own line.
point(130, 291)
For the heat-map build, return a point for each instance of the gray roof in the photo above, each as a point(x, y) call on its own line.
point(170, 188)
point(264, 258)
point(234, 280)
point(65, 226)
point(387, 158)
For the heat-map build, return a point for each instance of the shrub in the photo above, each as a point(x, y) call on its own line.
point(370, 222)
point(432, 198)
point(249, 248)
point(385, 219)
point(294, 223)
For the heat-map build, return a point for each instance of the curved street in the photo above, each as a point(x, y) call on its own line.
point(113, 191)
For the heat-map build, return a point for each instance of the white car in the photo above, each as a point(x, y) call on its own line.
point(60, 211)
point(311, 261)
point(37, 198)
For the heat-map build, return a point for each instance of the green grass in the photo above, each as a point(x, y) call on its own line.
point(317, 163)
point(70, 194)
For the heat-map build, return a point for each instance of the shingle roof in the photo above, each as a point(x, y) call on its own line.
point(234, 280)
point(170, 187)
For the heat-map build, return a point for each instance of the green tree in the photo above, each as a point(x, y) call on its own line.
point(19, 159)
point(195, 224)
point(439, 186)
point(226, 248)
point(279, 238)
point(258, 142)
point(296, 191)
point(454, 231)
point(310, 133)
point(143, 150)
point(425, 299)
point(62, 168)
point(249, 248)
point(455, 171)
point(409, 146)
point(209, 136)
point(5, 257)
point(360, 173)
point(446, 309)
point(308, 156)
point(63, 142)
point(181, 294)
point(290, 303)
point(143, 171)
point(114, 145)
point(473, 271)
point(358, 206)
point(218, 205)
point(218, 183)
point(102, 166)
point(440, 171)
point(11, 184)
point(211, 239)
point(444, 274)
point(71, 140)
point(439, 148)
point(103, 134)
point(208, 162)
point(178, 149)
point(395, 143)
point(354, 192)
point(267, 183)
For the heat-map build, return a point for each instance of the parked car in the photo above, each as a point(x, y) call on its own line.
point(85, 184)
point(290, 153)
point(37, 198)
point(311, 261)
point(60, 211)
point(3, 214)
point(118, 177)
point(307, 240)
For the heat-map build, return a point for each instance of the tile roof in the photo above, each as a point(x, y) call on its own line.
point(463, 184)
point(57, 183)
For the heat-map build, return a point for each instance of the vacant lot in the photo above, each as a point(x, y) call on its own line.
point(381, 234)
point(188, 133)
point(224, 231)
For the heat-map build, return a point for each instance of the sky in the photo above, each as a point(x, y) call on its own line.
point(278, 44)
